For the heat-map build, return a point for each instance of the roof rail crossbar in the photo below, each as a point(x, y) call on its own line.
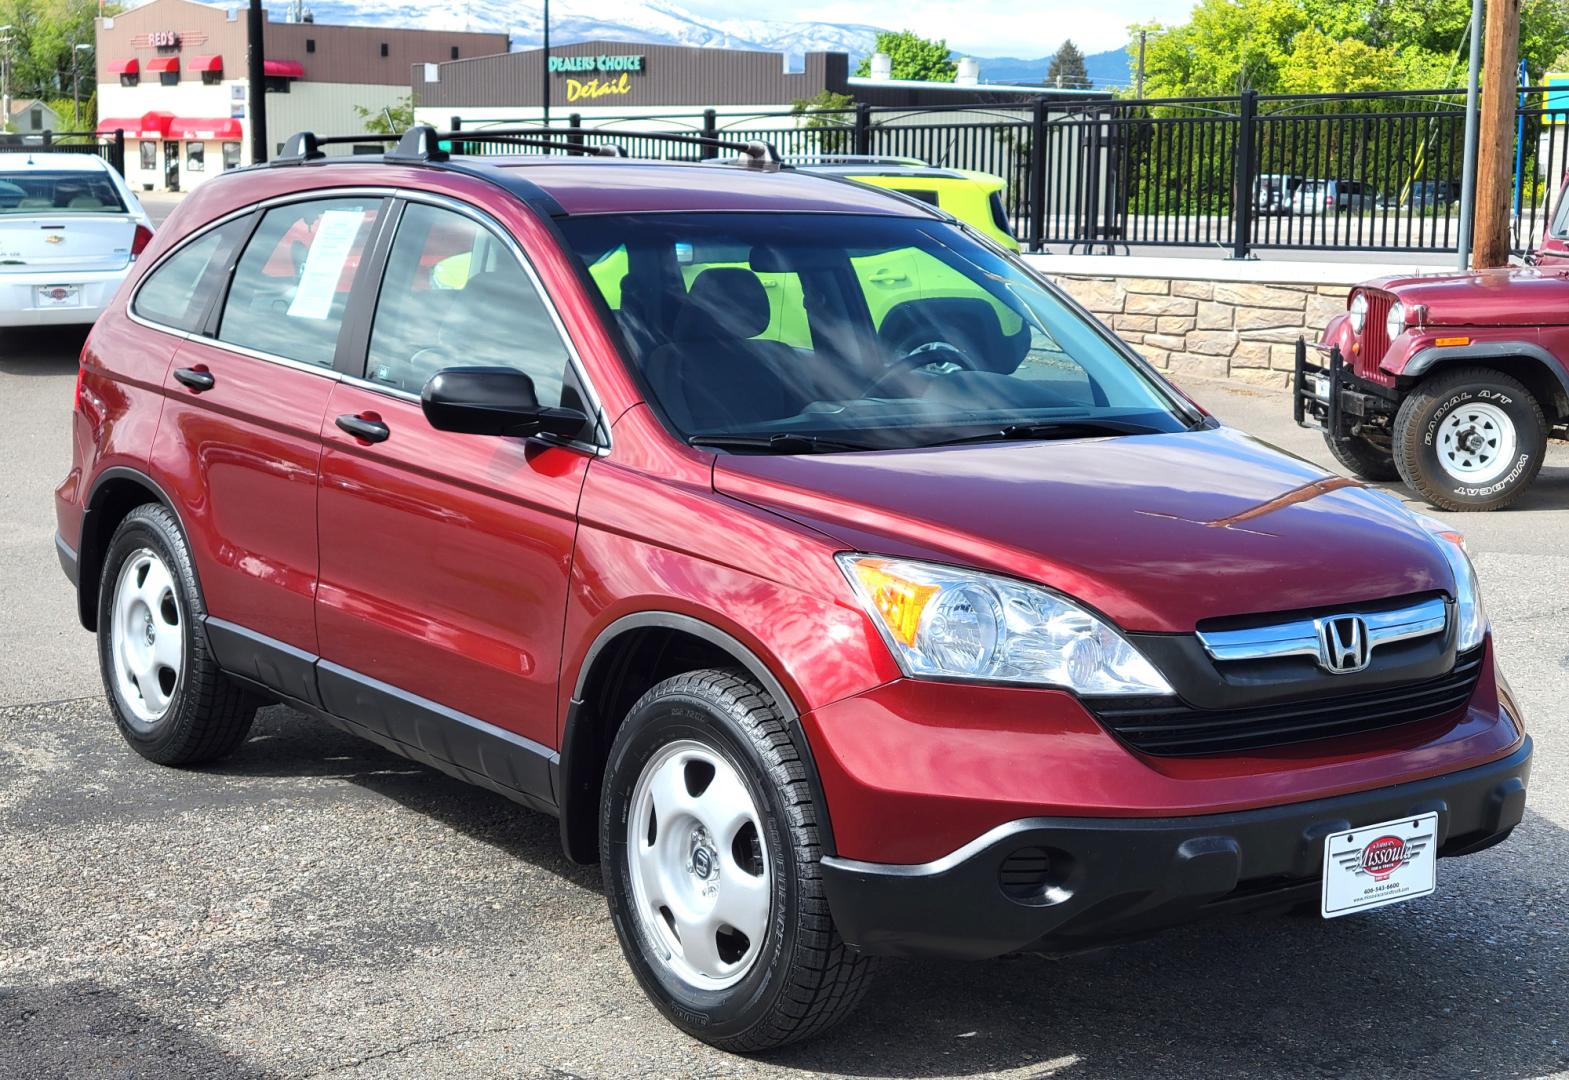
point(459, 141)
point(306, 145)
point(757, 152)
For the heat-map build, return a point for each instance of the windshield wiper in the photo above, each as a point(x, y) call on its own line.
point(1054, 429)
point(787, 442)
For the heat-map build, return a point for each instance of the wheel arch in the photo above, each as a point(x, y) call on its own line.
point(115, 493)
point(1538, 369)
point(629, 656)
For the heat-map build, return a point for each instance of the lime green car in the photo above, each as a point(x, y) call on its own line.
point(975, 198)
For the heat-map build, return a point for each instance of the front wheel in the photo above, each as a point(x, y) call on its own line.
point(1470, 439)
point(710, 848)
point(1363, 458)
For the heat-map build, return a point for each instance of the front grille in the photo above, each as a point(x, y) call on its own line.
point(1160, 726)
point(1375, 337)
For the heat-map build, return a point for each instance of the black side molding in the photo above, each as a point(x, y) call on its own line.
point(68, 560)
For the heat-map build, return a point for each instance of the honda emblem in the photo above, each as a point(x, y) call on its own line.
point(1342, 644)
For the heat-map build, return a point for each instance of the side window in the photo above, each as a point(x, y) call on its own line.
point(291, 286)
point(177, 292)
point(454, 295)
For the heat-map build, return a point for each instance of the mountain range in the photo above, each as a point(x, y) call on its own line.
point(661, 22)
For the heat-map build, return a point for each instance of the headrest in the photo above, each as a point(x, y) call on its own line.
point(725, 302)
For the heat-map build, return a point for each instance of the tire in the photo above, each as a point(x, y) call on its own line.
point(1470, 438)
point(1362, 458)
point(169, 700)
point(719, 737)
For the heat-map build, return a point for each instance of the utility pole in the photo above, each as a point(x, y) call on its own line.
point(544, 64)
point(1144, 36)
point(256, 75)
point(1495, 150)
point(76, 77)
point(5, 76)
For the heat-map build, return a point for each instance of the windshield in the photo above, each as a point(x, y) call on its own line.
point(809, 332)
point(36, 192)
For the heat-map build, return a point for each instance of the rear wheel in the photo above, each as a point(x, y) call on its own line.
point(709, 847)
point(1363, 458)
point(1470, 439)
point(168, 697)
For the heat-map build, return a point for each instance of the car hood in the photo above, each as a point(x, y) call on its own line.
point(1159, 532)
point(1509, 296)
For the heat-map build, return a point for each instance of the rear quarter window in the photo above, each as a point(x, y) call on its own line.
point(178, 290)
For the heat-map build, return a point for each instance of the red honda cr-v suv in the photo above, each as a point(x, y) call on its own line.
point(845, 589)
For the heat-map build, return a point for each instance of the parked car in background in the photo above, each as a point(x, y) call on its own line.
point(70, 229)
point(1425, 195)
point(1273, 192)
point(1452, 383)
point(1333, 197)
point(948, 629)
point(975, 198)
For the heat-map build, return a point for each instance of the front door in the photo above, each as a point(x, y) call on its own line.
point(241, 427)
point(171, 166)
point(445, 558)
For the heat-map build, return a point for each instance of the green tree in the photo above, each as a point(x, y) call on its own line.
point(44, 35)
point(913, 57)
point(826, 113)
point(388, 120)
point(1067, 68)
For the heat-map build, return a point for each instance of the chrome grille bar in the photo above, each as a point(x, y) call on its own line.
point(1301, 636)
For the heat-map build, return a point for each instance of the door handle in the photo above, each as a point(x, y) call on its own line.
point(198, 379)
point(883, 277)
point(362, 428)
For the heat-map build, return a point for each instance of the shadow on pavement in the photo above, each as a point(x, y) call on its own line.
point(81, 1029)
point(48, 350)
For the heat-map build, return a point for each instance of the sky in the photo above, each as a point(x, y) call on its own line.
point(984, 27)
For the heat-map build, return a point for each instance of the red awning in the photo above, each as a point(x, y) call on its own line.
point(213, 64)
point(284, 69)
point(154, 125)
point(129, 124)
point(125, 67)
point(202, 130)
point(163, 63)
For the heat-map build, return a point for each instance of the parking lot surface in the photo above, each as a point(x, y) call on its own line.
point(313, 906)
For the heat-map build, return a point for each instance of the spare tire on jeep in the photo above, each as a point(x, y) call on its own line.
point(1470, 438)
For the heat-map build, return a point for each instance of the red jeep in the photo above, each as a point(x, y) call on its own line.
point(949, 630)
point(1452, 383)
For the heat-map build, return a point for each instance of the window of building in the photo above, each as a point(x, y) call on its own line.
point(130, 79)
point(38, 118)
point(149, 151)
point(231, 156)
point(169, 78)
point(291, 287)
point(384, 50)
point(195, 157)
point(176, 294)
point(212, 78)
point(310, 44)
point(454, 52)
point(447, 277)
point(278, 84)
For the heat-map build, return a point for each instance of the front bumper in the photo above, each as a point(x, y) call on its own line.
point(1059, 885)
point(1334, 397)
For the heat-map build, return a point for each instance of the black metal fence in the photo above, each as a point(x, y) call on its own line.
point(1350, 172)
point(109, 147)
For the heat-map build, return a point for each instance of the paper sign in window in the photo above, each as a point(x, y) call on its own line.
point(329, 253)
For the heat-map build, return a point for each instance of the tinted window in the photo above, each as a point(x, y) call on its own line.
point(31, 192)
point(454, 295)
point(177, 292)
point(291, 286)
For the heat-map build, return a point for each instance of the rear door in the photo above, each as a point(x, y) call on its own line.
point(239, 444)
point(445, 557)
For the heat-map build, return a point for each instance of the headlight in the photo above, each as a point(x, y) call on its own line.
point(948, 622)
point(1358, 312)
point(1470, 614)
point(1395, 325)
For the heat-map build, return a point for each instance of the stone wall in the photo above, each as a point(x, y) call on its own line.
point(1240, 330)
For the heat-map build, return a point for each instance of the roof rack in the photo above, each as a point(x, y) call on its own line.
point(853, 159)
point(306, 145)
point(544, 144)
point(422, 143)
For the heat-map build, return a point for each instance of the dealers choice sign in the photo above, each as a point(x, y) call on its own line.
point(591, 77)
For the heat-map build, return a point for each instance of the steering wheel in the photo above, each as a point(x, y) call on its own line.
point(932, 352)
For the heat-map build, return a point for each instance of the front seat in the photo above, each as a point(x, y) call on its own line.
point(714, 376)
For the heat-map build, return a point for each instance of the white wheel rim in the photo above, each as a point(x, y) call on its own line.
point(146, 638)
point(698, 866)
point(1476, 443)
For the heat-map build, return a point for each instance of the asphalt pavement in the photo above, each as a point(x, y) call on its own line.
point(314, 906)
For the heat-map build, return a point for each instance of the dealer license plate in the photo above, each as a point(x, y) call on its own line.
point(1321, 387)
point(1376, 865)
point(52, 296)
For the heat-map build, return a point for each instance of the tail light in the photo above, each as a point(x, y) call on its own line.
point(139, 242)
point(1329, 200)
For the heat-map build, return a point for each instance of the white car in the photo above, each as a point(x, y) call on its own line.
point(69, 230)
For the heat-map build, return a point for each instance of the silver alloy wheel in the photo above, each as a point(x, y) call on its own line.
point(1477, 443)
point(698, 865)
point(146, 638)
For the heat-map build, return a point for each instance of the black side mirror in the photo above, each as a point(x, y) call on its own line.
point(493, 401)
